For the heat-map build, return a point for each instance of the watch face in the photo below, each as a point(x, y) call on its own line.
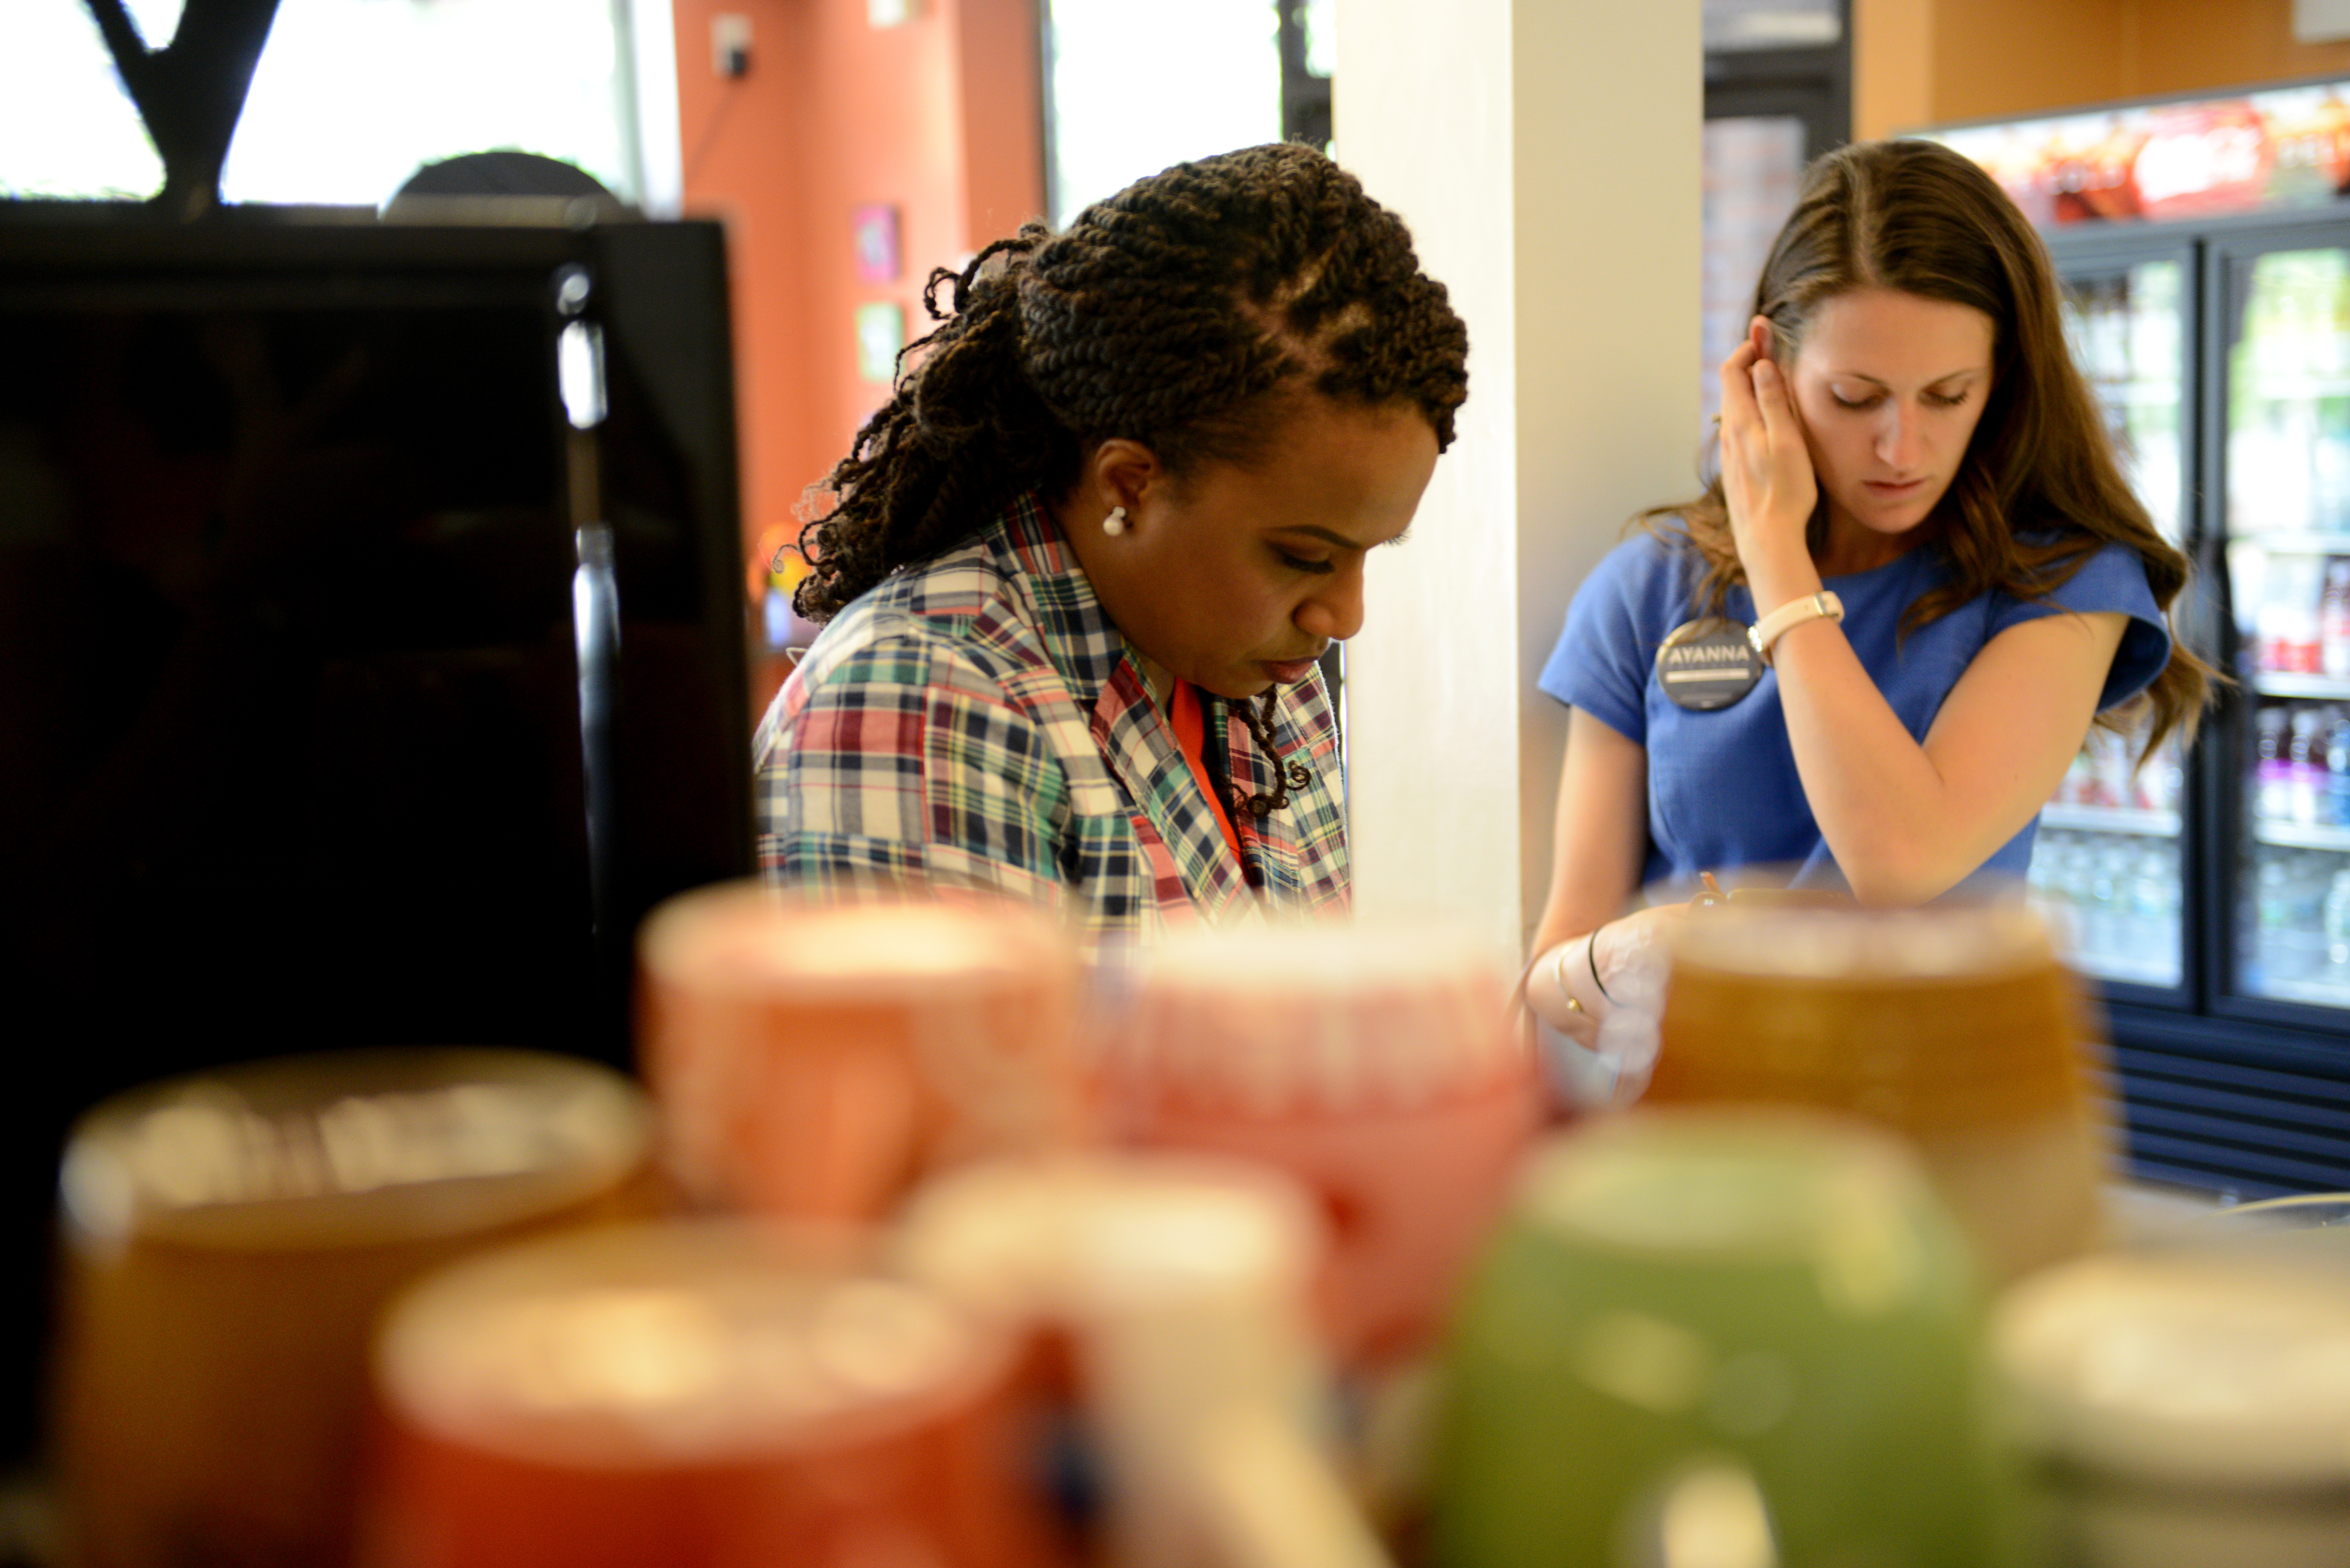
point(1707, 664)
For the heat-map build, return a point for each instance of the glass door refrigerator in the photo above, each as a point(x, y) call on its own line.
point(2204, 249)
point(2283, 300)
point(2109, 867)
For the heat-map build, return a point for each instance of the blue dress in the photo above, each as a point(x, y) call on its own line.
point(1722, 787)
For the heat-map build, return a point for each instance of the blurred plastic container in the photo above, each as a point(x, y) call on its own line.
point(1380, 1068)
point(2187, 1405)
point(1955, 1027)
point(813, 1062)
point(229, 1239)
point(712, 1394)
point(1182, 1288)
point(1722, 1337)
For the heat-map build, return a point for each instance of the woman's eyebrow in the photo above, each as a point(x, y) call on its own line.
point(1330, 536)
point(1326, 536)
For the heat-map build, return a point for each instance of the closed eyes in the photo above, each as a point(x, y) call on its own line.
point(1931, 399)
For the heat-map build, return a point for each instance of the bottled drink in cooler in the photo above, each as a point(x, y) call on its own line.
point(2306, 795)
point(2159, 781)
point(2107, 920)
point(2044, 888)
point(2288, 616)
point(2338, 930)
point(2273, 907)
point(2152, 906)
point(2292, 914)
point(2334, 618)
point(2272, 766)
point(2337, 772)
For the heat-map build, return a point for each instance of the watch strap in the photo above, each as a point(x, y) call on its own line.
point(1821, 606)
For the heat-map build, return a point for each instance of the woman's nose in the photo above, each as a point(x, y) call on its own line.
point(1898, 444)
point(1335, 609)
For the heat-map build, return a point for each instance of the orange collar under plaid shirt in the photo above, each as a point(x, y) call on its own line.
point(977, 722)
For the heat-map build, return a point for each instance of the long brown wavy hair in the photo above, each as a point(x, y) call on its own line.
point(1918, 218)
point(1178, 313)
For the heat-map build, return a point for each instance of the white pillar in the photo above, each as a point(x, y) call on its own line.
point(1546, 155)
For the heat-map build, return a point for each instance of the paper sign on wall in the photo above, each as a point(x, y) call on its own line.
point(875, 228)
point(880, 334)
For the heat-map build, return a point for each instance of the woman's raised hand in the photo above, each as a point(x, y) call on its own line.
point(1766, 471)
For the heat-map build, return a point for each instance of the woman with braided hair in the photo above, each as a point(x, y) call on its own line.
point(1079, 567)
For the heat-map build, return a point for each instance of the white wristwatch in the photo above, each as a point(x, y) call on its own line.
point(1821, 606)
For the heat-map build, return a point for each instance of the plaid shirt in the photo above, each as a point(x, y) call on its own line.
point(978, 721)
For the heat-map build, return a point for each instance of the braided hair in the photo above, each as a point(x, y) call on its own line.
point(1176, 313)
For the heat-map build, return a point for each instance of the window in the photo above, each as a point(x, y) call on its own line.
point(351, 97)
point(1214, 83)
point(1778, 93)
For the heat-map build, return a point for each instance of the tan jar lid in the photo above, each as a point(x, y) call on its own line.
point(1922, 1020)
point(2186, 1366)
point(683, 1343)
point(352, 1149)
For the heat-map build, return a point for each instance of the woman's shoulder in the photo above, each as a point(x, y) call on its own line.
point(1655, 553)
point(2088, 576)
point(954, 620)
point(2082, 572)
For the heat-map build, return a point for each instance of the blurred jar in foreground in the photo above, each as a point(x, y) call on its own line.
point(1379, 1068)
point(709, 1394)
point(1955, 1027)
point(2187, 1405)
point(228, 1240)
point(1736, 1337)
point(813, 1061)
point(1180, 1286)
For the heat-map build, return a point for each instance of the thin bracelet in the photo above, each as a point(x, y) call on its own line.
point(1591, 951)
point(1558, 978)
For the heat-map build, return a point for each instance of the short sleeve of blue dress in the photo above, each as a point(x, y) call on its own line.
point(1723, 792)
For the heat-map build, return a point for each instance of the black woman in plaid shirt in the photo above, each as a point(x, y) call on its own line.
point(1078, 571)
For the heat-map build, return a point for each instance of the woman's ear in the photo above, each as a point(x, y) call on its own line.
point(1126, 473)
point(1758, 332)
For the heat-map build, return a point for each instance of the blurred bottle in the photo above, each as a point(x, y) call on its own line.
point(2075, 872)
point(2271, 767)
point(2330, 299)
point(2338, 771)
point(2115, 759)
point(2301, 936)
point(2046, 892)
point(2272, 911)
point(2329, 460)
point(2106, 914)
point(2074, 788)
point(2154, 912)
point(2290, 639)
point(2305, 784)
point(2338, 930)
point(2159, 783)
point(2334, 618)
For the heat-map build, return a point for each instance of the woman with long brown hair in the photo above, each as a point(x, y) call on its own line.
point(1077, 570)
point(1869, 651)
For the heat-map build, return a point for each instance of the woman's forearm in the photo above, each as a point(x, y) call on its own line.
point(1908, 821)
point(1884, 808)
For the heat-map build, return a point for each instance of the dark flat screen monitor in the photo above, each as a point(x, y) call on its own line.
point(371, 639)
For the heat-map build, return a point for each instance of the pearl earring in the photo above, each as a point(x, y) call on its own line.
point(1114, 523)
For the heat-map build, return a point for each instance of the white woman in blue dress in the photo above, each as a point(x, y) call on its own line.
point(1870, 649)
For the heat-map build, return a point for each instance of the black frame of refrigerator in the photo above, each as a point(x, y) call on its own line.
point(2245, 1095)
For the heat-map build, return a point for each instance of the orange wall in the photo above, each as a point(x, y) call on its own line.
point(1929, 62)
point(941, 117)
